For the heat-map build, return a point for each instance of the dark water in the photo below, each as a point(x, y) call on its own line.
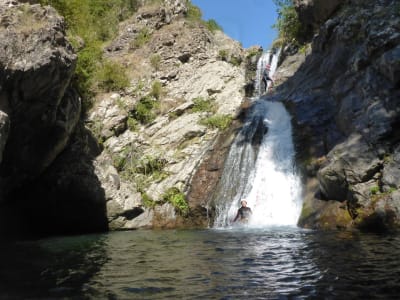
point(280, 263)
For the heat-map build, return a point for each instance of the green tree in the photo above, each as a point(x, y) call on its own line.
point(288, 24)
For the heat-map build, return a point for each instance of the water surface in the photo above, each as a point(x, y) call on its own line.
point(269, 263)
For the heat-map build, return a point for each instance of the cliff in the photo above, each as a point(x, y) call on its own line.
point(343, 94)
point(128, 161)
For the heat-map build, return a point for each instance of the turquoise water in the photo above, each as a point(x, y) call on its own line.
point(269, 263)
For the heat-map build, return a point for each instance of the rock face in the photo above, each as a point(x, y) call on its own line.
point(345, 102)
point(140, 164)
point(36, 66)
point(39, 115)
point(312, 13)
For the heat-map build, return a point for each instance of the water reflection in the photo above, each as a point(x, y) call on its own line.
point(269, 263)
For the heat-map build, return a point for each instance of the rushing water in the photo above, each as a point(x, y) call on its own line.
point(269, 263)
point(260, 165)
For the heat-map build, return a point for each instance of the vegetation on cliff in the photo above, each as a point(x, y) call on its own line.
point(290, 30)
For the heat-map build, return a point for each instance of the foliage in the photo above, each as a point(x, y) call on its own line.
point(221, 122)
point(223, 55)
point(143, 111)
point(156, 90)
point(111, 76)
point(148, 201)
point(288, 24)
point(193, 13)
point(132, 124)
point(236, 61)
point(212, 25)
point(374, 190)
point(141, 38)
point(174, 196)
point(155, 61)
point(93, 22)
point(203, 105)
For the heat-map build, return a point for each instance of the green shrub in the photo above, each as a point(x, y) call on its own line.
point(148, 201)
point(193, 13)
point(148, 165)
point(236, 61)
point(156, 90)
point(223, 55)
point(141, 38)
point(111, 76)
point(174, 196)
point(155, 61)
point(212, 25)
point(132, 124)
point(143, 111)
point(94, 22)
point(221, 122)
point(374, 190)
point(288, 24)
point(203, 105)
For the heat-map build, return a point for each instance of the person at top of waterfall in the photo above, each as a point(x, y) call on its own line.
point(266, 77)
point(244, 213)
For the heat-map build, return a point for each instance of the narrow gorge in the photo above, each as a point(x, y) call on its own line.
point(151, 154)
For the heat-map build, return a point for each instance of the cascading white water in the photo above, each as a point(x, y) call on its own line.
point(260, 167)
point(275, 193)
point(267, 58)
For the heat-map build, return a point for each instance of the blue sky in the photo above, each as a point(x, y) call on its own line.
point(248, 21)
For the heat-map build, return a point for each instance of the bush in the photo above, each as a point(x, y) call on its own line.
point(94, 22)
point(193, 13)
point(223, 55)
point(141, 38)
point(288, 24)
point(156, 90)
point(155, 61)
point(143, 111)
point(111, 76)
point(221, 122)
point(177, 199)
point(212, 25)
point(203, 105)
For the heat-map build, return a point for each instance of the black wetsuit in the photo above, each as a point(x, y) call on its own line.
point(266, 78)
point(244, 213)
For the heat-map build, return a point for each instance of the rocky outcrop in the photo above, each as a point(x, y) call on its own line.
point(345, 102)
point(47, 179)
point(36, 66)
point(140, 164)
point(312, 13)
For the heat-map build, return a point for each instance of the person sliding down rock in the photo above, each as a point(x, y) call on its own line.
point(266, 77)
point(244, 213)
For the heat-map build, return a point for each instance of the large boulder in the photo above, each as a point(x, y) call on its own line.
point(36, 67)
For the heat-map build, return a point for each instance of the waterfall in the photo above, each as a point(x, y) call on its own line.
point(260, 167)
point(267, 58)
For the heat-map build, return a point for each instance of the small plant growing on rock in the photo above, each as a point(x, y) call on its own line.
point(374, 190)
point(155, 61)
point(143, 36)
point(221, 122)
point(203, 105)
point(223, 55)
point(174, 196)
point(143, 111)
point(212, 25)
point(156, 90)
point(111, 76)
point(148, 201)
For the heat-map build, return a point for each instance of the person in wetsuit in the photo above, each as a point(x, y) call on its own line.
point(266, 77)
point(244, 213)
